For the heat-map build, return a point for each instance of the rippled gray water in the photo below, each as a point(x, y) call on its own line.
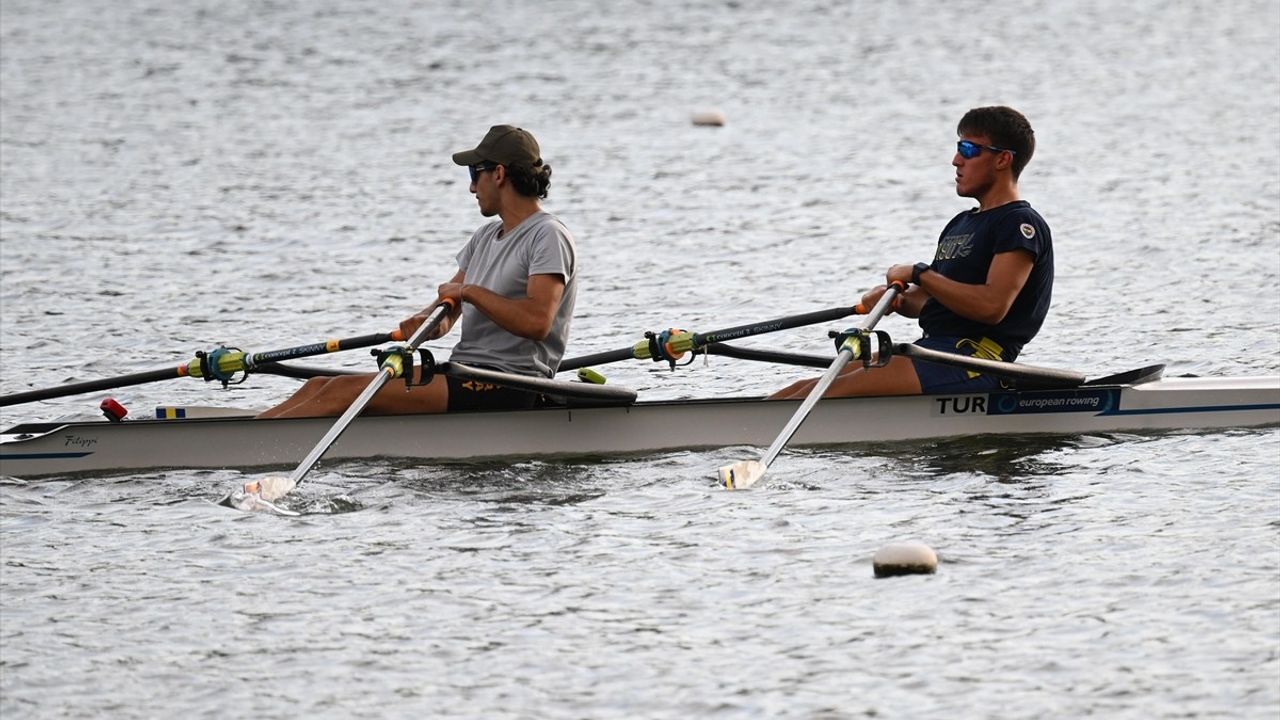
point(176, 176)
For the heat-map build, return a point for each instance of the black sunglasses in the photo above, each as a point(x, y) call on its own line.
point(475, 170)
point(970, 150)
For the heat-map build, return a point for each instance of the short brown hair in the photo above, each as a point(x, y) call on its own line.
point(1006, 128)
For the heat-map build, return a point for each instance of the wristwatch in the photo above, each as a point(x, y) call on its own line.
point(916, 270)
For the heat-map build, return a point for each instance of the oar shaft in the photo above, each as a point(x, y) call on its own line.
point(221, 364)
point(587, 391)
point(828, 377)
point(768, 326)
point(773, 356)
point(694, 341)
point(388, 371)
point(356, 407)
point(93, 385)
point(999, 368)
point(600, 358)
point(252, 360)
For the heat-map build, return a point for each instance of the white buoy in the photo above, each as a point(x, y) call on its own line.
point(908, 558)
point(709, 117)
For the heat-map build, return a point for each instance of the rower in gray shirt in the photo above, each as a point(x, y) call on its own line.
point(514, 292)
point(503, 262)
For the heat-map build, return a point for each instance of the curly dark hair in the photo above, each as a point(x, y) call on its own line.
point(531, 181)
point(1005, 128)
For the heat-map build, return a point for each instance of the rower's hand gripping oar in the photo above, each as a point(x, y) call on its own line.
point(857, 343)
point(671, 345)
point(221, 364)
point(262, 494)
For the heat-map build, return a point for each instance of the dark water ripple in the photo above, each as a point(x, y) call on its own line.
point(174, 177)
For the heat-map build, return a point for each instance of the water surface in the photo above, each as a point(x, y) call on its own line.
point(175, 177)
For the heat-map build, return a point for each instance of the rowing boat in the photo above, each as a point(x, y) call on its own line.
point(229, 438)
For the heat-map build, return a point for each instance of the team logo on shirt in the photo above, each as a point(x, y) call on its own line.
point(1028, 232)
point(954, 246)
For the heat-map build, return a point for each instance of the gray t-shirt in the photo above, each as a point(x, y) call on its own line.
point(541, 245)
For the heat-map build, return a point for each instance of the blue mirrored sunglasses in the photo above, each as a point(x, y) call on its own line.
point(969, 149)
point(475, 170)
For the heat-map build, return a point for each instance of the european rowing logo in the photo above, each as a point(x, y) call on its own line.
point(1028, 232)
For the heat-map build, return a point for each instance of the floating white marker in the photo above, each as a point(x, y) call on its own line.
point(710, 117)
point(909, 558)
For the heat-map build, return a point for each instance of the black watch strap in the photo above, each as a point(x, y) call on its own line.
point(916, 270)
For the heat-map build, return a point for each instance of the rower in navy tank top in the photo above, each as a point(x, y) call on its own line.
point(987, 289)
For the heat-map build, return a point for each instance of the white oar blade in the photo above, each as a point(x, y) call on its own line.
point(253, 502)
point(271, 487)
point(260, 495)
point(742, 474)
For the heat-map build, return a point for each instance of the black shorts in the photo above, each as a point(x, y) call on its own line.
point(477, 395)
point(938, 378)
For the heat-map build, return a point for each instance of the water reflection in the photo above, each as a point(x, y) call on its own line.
point(495, 482)
point(1005, 459)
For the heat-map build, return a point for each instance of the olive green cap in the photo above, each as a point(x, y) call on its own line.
point(505, 145)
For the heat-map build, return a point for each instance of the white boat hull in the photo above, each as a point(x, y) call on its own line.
point(240, 442)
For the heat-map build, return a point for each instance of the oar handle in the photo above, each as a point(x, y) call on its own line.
point(429, 325)
point(883, 304)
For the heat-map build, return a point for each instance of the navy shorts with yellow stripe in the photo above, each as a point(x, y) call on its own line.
point(937, 378)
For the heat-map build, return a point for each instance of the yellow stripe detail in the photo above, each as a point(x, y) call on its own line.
point(331, 345)
point(985, 348)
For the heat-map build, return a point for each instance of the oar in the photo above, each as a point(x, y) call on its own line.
point(746, 473)
point(671, 345)
point(611, 394)
point(1035, 377)
point(260, 494)
point(306, 372)
point(1039, 377)
point(773, 356)
point(221, 364)
point(603, 393)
